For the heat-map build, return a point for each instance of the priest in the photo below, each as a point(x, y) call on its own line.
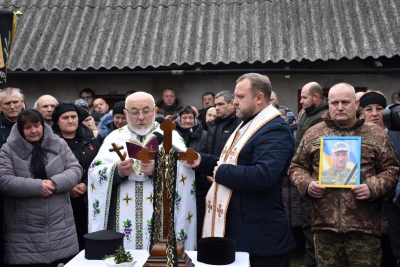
point(121, 193)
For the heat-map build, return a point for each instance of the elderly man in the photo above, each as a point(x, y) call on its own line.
point(169, 105)
point(45, 105)
point(248, 178)
point(346, 222)
point(11, 104)
point(121, 191)
point(273, 99)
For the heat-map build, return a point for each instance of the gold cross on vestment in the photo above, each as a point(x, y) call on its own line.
point(219, 210)
point(127, 199)
point(92, 185)
point(183, 179)
point(209, 207)
point(189, 218)
point(233, 153)
point(150, 198)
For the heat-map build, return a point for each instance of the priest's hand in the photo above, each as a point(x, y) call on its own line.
point(47, 188)
point(315, 190)
point(148, 167)
point(362, 192)
point(196, 163)
point(210, 179)
point(125, 167)
point(78, 190)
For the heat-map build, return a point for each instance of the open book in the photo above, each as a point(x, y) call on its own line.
point(134, 145)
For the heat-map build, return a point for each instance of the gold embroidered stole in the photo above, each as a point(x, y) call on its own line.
point(218, 197)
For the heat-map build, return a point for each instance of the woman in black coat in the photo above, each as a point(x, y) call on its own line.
point(68, 125)
point(194, 136)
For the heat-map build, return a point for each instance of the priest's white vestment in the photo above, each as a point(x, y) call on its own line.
point(134, 207)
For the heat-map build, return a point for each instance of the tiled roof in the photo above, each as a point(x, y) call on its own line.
point(90, 34)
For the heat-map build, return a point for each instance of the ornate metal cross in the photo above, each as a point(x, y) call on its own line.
point(144, 155)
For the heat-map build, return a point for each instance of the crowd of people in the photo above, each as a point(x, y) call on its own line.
point(255, 157)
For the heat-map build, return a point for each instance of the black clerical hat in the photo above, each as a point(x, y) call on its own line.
point(101, 243)
point(216, 250)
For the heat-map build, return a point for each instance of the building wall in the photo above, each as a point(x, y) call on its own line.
point(189, 88)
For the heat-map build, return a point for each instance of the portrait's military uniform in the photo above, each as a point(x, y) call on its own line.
point(338, 177)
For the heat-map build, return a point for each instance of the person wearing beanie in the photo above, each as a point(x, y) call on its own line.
point(113, 121)
point(374, 103)
point(68, 125)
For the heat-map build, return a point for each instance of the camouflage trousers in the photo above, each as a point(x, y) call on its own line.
point(347, 249)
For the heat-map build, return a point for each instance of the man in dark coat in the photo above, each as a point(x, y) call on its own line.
point(224, 124)
point(11, 104)
point(169, 105)
point(251, 167)
point(314, 106)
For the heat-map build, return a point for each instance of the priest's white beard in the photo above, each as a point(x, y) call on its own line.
point(143, 130)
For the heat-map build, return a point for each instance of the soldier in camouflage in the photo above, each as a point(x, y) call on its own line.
point(346, 222)
point(338, 174)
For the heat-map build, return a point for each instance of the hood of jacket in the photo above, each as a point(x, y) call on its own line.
point(106, 125)
point(51, 142)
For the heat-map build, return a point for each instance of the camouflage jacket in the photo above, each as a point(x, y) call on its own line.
point(338, 210)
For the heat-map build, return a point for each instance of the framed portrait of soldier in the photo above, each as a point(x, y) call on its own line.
point(339, 165)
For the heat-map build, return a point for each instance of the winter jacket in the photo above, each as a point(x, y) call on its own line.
point(309, 119)
point(228, 127)
point(194, 137)
point(338, 210)
point(38, 229)
point(106, 126)
point(5, 129)
point(292, 202)
point(174, 110)
point(256, 218)
point(85, 150)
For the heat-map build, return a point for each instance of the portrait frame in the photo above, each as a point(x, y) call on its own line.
point(329, 176)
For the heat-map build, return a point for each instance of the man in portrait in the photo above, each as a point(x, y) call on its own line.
point(339, 173)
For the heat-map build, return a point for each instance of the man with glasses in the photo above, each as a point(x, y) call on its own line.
point(88, 95)
point(121, 191)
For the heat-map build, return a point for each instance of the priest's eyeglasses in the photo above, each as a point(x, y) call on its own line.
point(136, 113)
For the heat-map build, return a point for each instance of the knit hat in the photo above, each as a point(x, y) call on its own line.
point(372, 98)
point(65, 107)
point(81, 103)
point(96, 116)
point(119, 108)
